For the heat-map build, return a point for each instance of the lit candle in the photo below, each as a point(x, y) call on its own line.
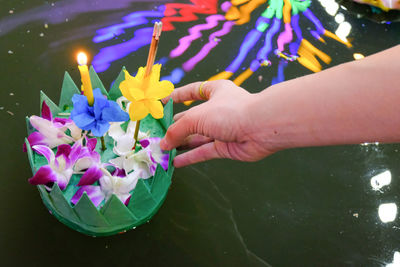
point(86, 84)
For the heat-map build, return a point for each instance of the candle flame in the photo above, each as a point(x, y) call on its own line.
point(82, 59)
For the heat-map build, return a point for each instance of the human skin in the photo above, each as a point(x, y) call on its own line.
point(352, 103)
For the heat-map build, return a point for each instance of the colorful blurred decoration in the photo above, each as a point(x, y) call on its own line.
point(277, 33)
point(373, 10)
point(385, 5)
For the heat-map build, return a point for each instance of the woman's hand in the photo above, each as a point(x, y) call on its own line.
point(224, 126)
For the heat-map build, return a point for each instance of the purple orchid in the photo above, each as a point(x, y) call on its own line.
point(51, 131)
point(117, 183)
point(90, 162)
point(93, 191)
point(157, 154)
point(145, 161)
point(60, 166)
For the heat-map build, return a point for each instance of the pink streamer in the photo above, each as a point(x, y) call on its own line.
point(285, 37)
point(195, 33)
point(191, 63)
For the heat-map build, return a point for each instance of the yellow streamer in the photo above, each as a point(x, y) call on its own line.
point(242, 14)
point(243, 77)
point(286, 11)
point(335, 37)
point(307, 56)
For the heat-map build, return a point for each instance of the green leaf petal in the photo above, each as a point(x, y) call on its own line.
point(29, 127)
point(45, 197)
point(167, 120)
point(142, 202)
point(68, 90)
point(62, 205)
point(53, 107)
point(88, 213)
point(116, 213)
point(30, 155)
point(96, 82)
point(115, 92)
point(160, 185)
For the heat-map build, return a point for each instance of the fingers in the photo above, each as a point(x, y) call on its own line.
point(177, 132)
point(194, 141)
point(202, 153)
point(179, 115)
point(189, 92)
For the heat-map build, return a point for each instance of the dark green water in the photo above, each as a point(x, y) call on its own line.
point(303, 207)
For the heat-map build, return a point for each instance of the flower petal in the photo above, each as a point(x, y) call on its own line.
point(75, 151)
point(83, 120)
point(46, 112)
point(43, 176)
point(99, 104)
point(129, 182)
point(90, 176)
point(63, 178)
point(93, 191)
point(101, 128)
point(118, 162)
point(144, 142)
point(156, 108)
point(63, 149)
point(97, 93)
point(86, 160)
point(164, 162)
point(91, 143)
point(36, 138)
point(137, 110)
point(46, 152)
point(76, 132)
point(114, 113)
point(80, 103)
point(124, 145)
point(119, 172)
point(115, 130)
point(131, 86)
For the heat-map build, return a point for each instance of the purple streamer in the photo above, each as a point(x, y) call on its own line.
point(255, 65)
point(130, 21)
point(296, 27)
point(103, 59)
point(266, 49)
point(195, 33)
point(248, 43)
point(280, 76)
point(315, 21)
point(191, 63)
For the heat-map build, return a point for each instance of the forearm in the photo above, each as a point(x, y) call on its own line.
point(352, 103)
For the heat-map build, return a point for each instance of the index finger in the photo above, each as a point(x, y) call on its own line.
point(178, 132)
point(188, 92)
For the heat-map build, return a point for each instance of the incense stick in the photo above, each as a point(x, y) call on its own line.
point(149, 65)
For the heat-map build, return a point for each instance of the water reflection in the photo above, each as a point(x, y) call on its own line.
point(387, 212)
point(381, 180)
point(61, 11)
point(291, 43)
point(396, 260)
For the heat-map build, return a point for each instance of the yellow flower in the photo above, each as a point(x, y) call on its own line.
point(145, 93)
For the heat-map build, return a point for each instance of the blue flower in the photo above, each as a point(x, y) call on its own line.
point(96, 118)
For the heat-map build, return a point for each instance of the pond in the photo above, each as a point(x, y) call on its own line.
point(311, 206)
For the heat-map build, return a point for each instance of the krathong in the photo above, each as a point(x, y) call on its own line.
point(108, 187)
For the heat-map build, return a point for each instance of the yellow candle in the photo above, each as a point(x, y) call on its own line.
point(86, 84)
